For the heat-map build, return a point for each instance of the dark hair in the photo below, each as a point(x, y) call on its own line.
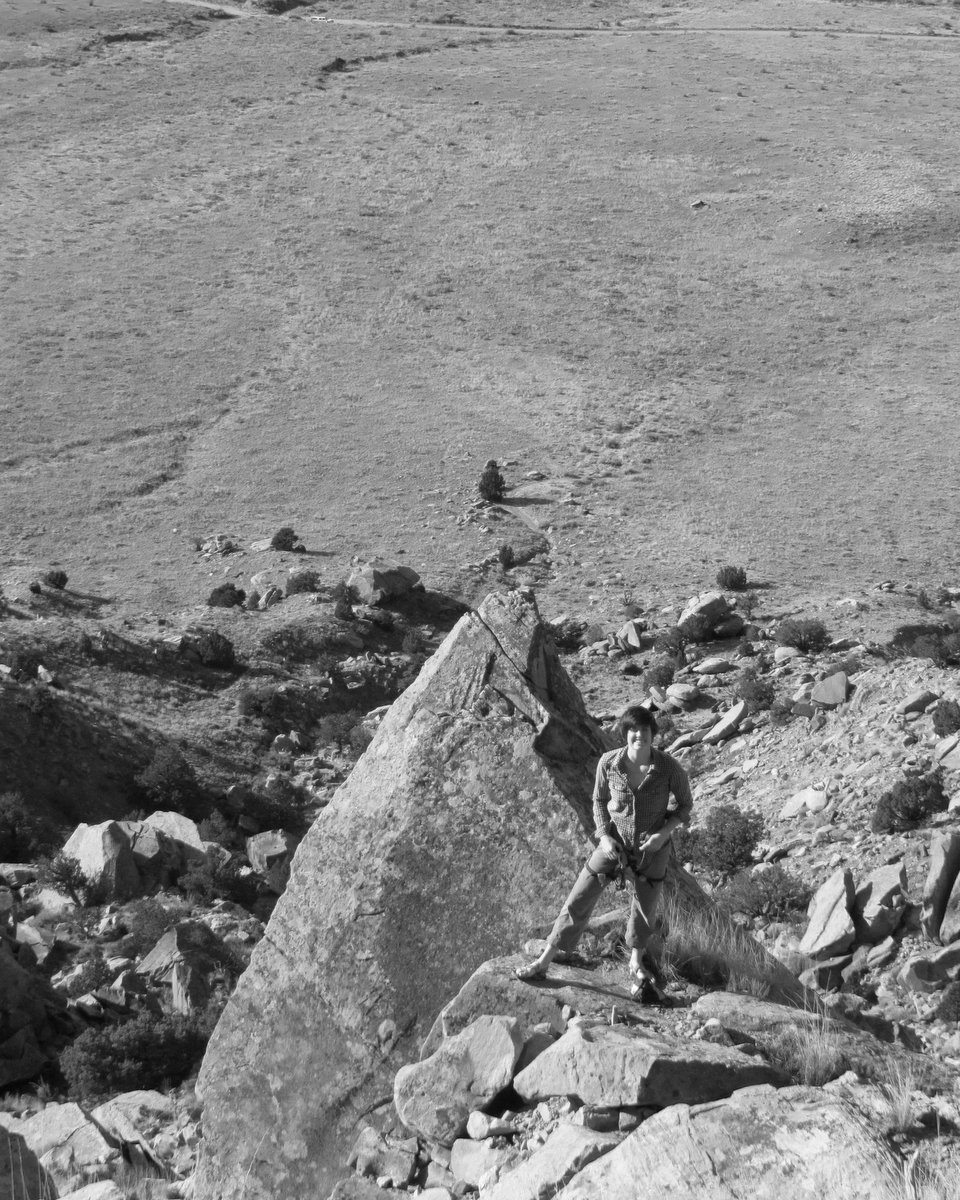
point(636, 717)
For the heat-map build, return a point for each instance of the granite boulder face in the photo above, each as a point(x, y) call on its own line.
point(457, 832)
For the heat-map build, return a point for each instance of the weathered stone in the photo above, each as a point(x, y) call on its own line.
point(941, 876)
point(630, 635)
point(950, 925)
point(377, 1154)
point(728, 724)
point(435, 1097)
point(917, 702)
point(567, 1150)
point(104, 854)
point(701, 615)
point(784, 654)
point(179, 829)
point(830, 928)
point(878, 903)
point(471, 1162)
point(378, 581)
point(613, 1065)
point(29, 1006)
point(761, 1143)
point(810, 799)
point(104, 1189)
point(947, 752)
point(270, 854)
point(686, 694)
point(481, 1125)
point(133, 1117)
point(273, 595)
point(187, 941)
point(932, 973)
point(454, 833)
point(731, 626)
point(714, 665)
point(65, 1142)
point(830, 692)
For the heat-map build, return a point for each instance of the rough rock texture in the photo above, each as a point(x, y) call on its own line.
point(941, 876)
point(378, 580)
point(29, 1016)
point(455, 832)
point(702, 614)
point(435, 1097)
point(103, 852)
point(566, 1151)
point(830, 930)
point(878, 904)
point(830, 692)
point(612, 1066)
point(65, 1141)
point(761, 1143)
point(270, 854)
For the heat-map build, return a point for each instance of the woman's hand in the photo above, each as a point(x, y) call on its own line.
point(609, 847)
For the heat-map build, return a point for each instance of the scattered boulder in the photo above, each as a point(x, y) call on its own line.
point(472, 1162)
point(104, 854)
point(453, 834)
point(879, 903)
point(435, 1097)
point(270, 855)
point(760, 1142)
point(830, 929)
point(31, 1015)
point(830, 692)
point(702, 614)
point(376, 1154)
point(728, 724)
point(378, 581)
point(613, 1065)
point(567, 1150)
point(917, 702)
point(66, 1143)
point(941, 876)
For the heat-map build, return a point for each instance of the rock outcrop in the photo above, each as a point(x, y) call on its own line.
point(455, 834)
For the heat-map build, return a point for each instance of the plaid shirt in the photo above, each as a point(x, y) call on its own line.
point(634, 815)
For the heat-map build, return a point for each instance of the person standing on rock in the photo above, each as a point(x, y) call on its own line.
point(640, 797)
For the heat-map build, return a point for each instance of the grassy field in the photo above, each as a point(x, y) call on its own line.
point(697, 268)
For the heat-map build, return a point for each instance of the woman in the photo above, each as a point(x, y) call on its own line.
point(640, 797)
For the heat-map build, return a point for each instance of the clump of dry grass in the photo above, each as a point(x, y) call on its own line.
point(810, 1051)
point(703, 946)
point(932, 1173)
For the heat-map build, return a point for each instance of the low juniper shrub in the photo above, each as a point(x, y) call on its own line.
point(671, 641)
point(733, 579)
point(807, 635)
point(946, 718)
point(215, 649)
point(759, 693)
point(168, 781)
point(659, 674)
point(64, 874)
point(285, 539)
point(491, 485)
point(55, 579)
point(226, 595)
point(774, 893)
point(726, 841)
point(300, 582)
point(24, 834)
point(909, 803)
point(93, 974)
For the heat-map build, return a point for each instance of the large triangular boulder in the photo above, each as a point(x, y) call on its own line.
point(941, 876)
point(458, 831)
point(830, 928)
point(104, 854)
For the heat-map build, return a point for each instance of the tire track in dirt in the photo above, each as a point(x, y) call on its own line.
point(122, 437)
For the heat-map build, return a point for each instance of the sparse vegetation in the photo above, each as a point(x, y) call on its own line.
point(93, 974)
point(909, 803)
point(214, 649)
point(732, 579)
point(726, 841)
point(55, 579)
point(24, 834)
point(774, 893)
point(809, 1051)
point(491, 484)
point(659, 674)
point(303, 581)
point(806, 635)
point(758, 691)
point(946, 718)
point(64, 873)
point(284, 539)
point(226, 595)
point(168, 781)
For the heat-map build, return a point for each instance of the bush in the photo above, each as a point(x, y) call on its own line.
point(733, 579)
point(302, 581)
point(204, 882)
point(147, 1052)
point(808, 636)
point(169, 781)
point(506, 556)
point(946, 718)
point(671, 641)
point(55, 579)
point(775, 893)
point(491, 484)
point(285, 539)
point(226, 595)
point(94, 974)
point(64, 874)
point(23, 834)
point(758, 692)
point(725, 843)
point(909, 803)
point(659, 674)
point(567, 634)
point(748, 603)
point(145, 922)
point(214, 649)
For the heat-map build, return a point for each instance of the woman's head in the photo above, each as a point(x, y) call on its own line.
point(636, 717)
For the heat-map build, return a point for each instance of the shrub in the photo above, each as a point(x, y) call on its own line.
point(725, 843)
point(567, 634)
point(659, 674)
point(285, 539)
point(491, 484)
point(55, 579)
point(946, 718)
point(748, 603)
point(775, 893)
point(809, 1051)
point(145, 922)
point(671, 641)
point(758, 692)
point(781, 711)
point(733, 579)
point(413, 642)
point(703, 946)
point(949, 1007)
point(218, 828)
point(143, 1053)
point(64, 873)
point(206, 882)
point(94, 974)
point(168, 781)
point(909, 803)
point(808, 636)
point(506, 556)
point(226, 595)
point(214, 649)
point(302, 581)
point(24, 835)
